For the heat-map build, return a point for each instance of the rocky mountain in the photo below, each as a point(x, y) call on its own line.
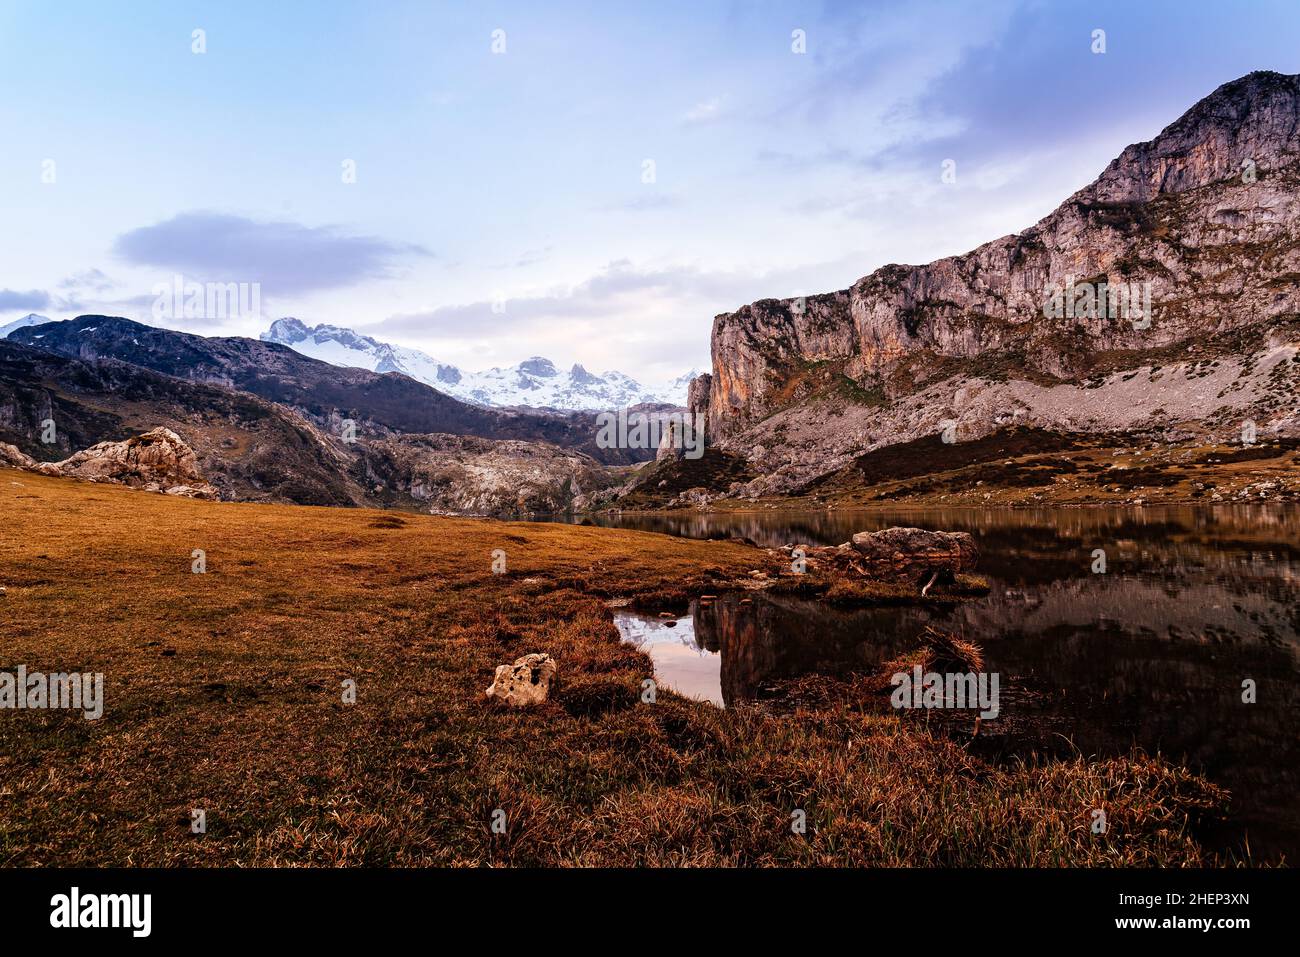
point(456, 474)
point(108, 416)
point(1163, 297)
point(31, 319)
point(246, 447)
point(534, 383)
point(324, 394)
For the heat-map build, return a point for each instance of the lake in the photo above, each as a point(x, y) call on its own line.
point(1153, 651)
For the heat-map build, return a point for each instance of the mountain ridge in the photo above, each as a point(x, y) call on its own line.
point(31, 319)
point(325, 394)
point(253, 449)
point(535, 382)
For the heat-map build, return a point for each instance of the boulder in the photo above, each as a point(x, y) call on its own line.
point(158, 460)
point(699, 497)
point(915, 554)
point(526, 682)
point(11, 456)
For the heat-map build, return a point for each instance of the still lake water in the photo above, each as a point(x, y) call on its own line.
point(1151, 653)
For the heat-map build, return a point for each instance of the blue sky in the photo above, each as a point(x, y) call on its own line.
point(499, 208)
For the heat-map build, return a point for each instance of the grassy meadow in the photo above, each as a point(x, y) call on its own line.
point(224, 692)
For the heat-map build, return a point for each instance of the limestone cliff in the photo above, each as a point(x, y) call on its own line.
point(1204, 220)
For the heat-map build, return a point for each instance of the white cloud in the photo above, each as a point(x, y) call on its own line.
point(706, 111)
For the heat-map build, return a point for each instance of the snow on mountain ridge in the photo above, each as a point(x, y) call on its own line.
point(536, 382)
point(31, 319)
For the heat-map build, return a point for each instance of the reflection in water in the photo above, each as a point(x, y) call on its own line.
point(679, 660)
point(1151, 653)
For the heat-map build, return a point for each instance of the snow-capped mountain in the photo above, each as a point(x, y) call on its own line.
point(31, 319)
point(677, 388)
point(535, 382)
point(343, 347)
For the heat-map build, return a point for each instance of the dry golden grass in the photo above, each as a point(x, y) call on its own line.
point(224, 693)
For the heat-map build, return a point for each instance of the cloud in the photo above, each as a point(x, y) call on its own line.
point(707, 111)
point(862, 103)
point(86, 291)
point(621, 295)
point(1011, 85)
point(88, 282)
point(648, 202)
point(285, 257)
point(31, 300)
point(529, 257)
point(649, 320)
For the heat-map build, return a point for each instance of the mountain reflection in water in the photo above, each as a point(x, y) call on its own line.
point(1151, 653)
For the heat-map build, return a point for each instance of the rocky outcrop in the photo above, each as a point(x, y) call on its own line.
point(697, 398)
point(457, 474)
point(894, 554)
point(526, 682)
point(12, 457)
point(157, 461)
point(1204, 219)
point(679, 440)
point(916, 554)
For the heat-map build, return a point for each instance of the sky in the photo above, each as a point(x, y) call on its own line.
point(588, 182)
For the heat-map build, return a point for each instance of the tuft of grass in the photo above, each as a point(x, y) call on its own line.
point(939, 651)
point(950, 652)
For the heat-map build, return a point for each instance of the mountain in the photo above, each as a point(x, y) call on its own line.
point(251, 449)
point(324, 394)
point(534, 383)
point(1203, 221)
point(31, 319)
point(343, 347)
point(537, 383)
point(676, 391)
